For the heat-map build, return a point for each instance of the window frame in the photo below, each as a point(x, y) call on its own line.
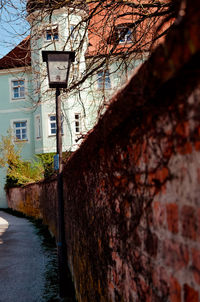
point(52, 31)
point(49, 125)
point(21, 120)
point(77, 120)
point(37, 84)
point(103, 84)
point(124, 39)
point(127, 30)
point(20, 98)
point(72, 31)
point(38, 128)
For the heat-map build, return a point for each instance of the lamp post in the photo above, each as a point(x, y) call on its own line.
point(58, 66)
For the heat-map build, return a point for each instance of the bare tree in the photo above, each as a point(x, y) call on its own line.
point(111, 37)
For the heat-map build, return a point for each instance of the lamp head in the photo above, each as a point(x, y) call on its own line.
point(58, 65)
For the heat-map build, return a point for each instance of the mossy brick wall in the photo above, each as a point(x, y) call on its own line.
point(131, 192)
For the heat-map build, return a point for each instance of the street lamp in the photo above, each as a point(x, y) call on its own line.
point(58, 66)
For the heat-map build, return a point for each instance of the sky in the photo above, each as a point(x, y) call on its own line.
point(13, 25)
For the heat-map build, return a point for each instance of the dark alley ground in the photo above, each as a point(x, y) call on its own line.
point(27, 262)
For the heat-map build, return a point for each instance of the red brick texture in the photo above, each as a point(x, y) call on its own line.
point(175, 290)
point(172, 217)
point(132, 190)
point(190, 295)
point(189, 222)
point(196, 265)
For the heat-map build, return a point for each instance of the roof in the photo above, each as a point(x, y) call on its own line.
point(20, 56)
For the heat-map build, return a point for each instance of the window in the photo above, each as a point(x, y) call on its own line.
point(52, 125)
point(77, 122)
point(18, 89)
point(125, 35)
point(20, 130)
point(37, 83)
point(52, 34)
point(103, 80)
point(122, 34)
point(72, 31)
point(37, 126)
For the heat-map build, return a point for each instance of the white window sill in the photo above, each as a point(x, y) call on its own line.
point(18, 99)
point(126, 42)
point(51, 41)
point(102, 89)
point(53, 135)
point(21, 140)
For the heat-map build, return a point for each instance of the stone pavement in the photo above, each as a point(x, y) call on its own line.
point(22, 261)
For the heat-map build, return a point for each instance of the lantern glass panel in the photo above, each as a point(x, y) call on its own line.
point(58, 68)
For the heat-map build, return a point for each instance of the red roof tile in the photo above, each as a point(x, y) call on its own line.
point(18, 57)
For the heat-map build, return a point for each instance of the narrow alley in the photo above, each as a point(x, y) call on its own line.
point(24, 262)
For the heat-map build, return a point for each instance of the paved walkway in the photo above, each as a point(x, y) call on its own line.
point(22, 261)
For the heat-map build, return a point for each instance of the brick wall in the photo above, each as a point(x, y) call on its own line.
point(131, 192)
point(32, 201)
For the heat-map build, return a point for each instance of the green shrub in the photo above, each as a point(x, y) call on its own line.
point(48, 163)
point(19, 172)
point(47, 160)
point(23, 173)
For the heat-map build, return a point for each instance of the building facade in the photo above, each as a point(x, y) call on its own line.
point(27, 104)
